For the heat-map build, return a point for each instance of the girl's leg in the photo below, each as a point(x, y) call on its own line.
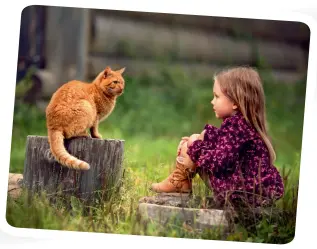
point(185, 144)
point(186, 160)
point(181, 178)
point(183, 156)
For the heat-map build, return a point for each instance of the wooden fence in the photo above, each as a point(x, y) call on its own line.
point(79, 43)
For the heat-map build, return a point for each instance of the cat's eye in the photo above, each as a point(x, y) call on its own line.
point(116, 82)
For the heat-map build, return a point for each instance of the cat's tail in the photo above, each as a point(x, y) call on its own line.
point(56, 140)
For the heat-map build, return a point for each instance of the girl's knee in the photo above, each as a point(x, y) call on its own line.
point(202, 135)
point(194, 136)
point(184, 148)
point(192, 139)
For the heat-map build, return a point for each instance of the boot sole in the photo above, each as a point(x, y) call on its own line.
point(172, 193)
point(175, 194)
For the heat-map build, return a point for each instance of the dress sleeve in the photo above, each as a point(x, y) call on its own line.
point(210, 139)
point(211, 132)
point(222, 155)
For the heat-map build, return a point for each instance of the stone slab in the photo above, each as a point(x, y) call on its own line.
point(196, 219)
point(183, 209)
point(15, 184)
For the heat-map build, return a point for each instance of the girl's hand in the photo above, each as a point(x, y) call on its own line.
point(195, 137)
point(202, 135)
point(192, 139)
point(184, 140)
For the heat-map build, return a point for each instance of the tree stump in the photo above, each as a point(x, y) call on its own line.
point(43, 173)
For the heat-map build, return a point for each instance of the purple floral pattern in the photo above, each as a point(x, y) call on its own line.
point(237, 162)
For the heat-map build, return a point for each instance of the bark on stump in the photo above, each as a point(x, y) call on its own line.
point(43, 173)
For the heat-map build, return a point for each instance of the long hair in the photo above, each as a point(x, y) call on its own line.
point(243, 86)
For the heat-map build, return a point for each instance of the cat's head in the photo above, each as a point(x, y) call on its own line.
point(111, 82)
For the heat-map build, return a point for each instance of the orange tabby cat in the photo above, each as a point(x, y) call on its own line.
point(77, 107)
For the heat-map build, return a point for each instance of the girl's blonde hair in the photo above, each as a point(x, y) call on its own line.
point(243, 86)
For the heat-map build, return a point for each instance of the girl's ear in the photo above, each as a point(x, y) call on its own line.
point(234, 107)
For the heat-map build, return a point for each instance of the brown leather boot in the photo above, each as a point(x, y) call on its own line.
point(179, 181)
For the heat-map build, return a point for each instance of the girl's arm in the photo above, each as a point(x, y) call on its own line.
point(222, 156)
point(195, 137)
point(206, 140)
point(190, 140)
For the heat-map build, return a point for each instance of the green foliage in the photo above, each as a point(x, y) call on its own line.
point(151, 116)
point(25, 84)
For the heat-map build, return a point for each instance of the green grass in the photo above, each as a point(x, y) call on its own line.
point(151, 116)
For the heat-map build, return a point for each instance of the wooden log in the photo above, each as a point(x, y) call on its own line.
point(152, 68)
point(280, 55)
point(66, 53)
point(136, 39)
point(43, 173)
point(277, 30)
point(66, 43)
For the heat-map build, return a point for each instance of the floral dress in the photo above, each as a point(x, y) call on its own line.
point(237, 162)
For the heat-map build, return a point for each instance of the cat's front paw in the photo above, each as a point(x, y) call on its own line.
point(84, 134)
point(96, 136)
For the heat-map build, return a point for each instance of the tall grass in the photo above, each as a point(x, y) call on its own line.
point(151, 116)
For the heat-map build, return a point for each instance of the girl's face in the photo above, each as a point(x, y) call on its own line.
point(222, 106)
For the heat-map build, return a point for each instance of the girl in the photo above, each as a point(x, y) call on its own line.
point(235, 160)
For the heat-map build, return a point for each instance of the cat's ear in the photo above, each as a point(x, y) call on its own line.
point(103, 74)
point(106, 72)
point(120, 71)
